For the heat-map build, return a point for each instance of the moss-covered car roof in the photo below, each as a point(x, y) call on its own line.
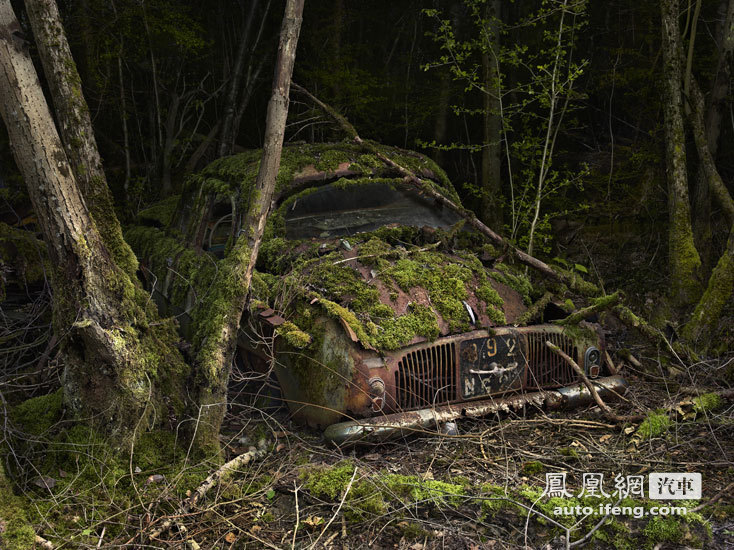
point(389, 288)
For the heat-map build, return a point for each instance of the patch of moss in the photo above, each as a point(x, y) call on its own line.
point(161, 213)
point(413, 490)
point(37, 415)
point(294, 335)
point(656, 424)
point(533, 467)
point(663, 529)
point(707, 402)
point(17, 533)
point(23, 255)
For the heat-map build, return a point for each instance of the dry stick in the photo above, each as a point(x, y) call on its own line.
point(612, 367)
point(344, 497)
point(609, 413)
point(213, 480)
point(725, 491)
point(425, 187)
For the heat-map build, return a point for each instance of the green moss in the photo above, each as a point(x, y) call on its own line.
point(412, 490)
point(294, 335)
point(37, 415)
point(17, 533)
point(412, 531)
point(708, 402)
point(655, 425)
point(23, 257)
point(162, 212)
point(533, 467)
point(663, 529)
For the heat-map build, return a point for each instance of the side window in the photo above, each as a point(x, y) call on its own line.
point(219, 228)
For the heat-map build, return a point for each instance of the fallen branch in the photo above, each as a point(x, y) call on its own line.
point(426, 188)
point(609, 413)
point(599, 304)
point(214, 479)
point(535, 309)
point(725, 491)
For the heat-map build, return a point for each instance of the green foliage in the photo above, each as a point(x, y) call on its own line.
point(656, 424)
point(535, 56)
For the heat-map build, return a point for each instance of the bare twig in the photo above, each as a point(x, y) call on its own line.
point(223, 473)
point(336, 513)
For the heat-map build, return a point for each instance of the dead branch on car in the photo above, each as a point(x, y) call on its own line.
point(609, 413)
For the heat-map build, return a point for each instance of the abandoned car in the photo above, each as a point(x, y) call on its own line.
point(377, 311)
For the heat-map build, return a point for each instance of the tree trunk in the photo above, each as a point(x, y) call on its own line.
point(226, 140)
point(491, 213)
point(683, 259)
point(115, 360)
point(712, 125)
point(76, 127)
point(217, 324)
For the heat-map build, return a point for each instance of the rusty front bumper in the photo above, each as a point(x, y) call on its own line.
point(382, 428)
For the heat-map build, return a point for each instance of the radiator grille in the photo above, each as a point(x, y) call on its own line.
point(426, 377)
point(545, 368)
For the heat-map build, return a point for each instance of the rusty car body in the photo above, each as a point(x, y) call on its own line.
point(377, 312)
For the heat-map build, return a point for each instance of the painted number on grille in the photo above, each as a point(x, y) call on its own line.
point(490, 365)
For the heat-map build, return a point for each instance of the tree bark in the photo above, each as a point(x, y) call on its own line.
point(712, 126)
point(115, 361)
point(75, 125)
point(683, 259)
point(217, 324)
point(491, 213)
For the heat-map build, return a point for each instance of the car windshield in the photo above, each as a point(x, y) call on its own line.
point(342, 210)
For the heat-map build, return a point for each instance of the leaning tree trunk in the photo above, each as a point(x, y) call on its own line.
point(115, 361)
point(76, 127)
point(217, 323)
point(683, 259)
point(713, 116)
point(703, 323)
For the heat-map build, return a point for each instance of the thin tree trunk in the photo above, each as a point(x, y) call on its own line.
point(115, 360)
point(217, 324)
point(442, 112)
point(226, 140)
point(712, 125)
point(491, 212)
point(169, 144)
point(123, 119)
point(76, 127)
point(683, 259)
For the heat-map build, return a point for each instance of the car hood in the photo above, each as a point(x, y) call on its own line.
point(388, 295)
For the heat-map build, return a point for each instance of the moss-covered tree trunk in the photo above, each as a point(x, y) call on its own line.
point(119, 368)
point(683, 259)
point(491, 212)
point(217, 323)
point(75, 126)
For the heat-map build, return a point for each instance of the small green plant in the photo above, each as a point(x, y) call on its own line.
point(655, 425)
